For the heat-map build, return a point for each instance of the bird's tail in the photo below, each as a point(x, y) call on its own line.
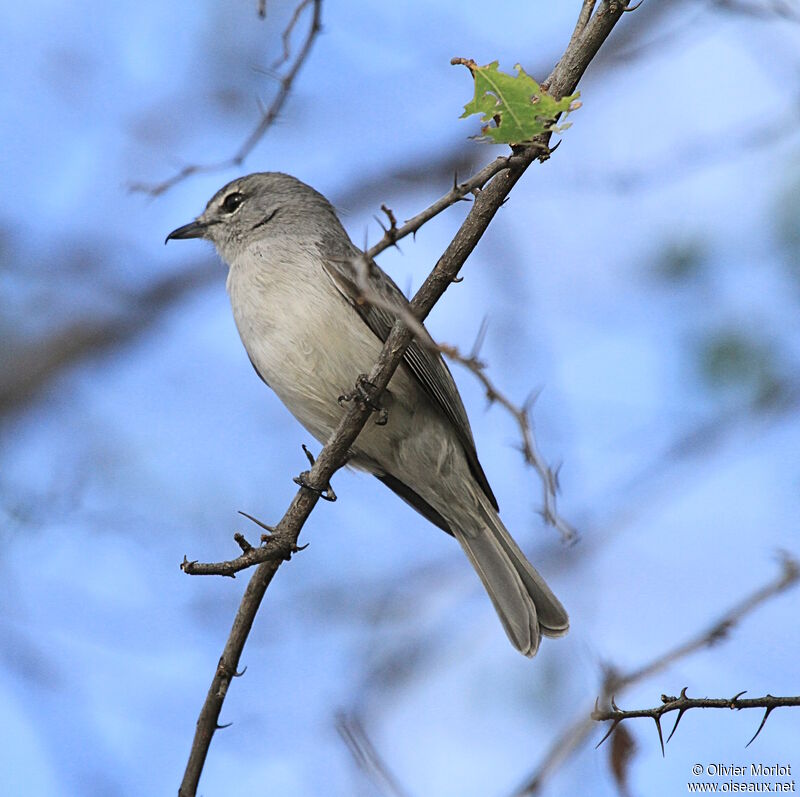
point(525, 604)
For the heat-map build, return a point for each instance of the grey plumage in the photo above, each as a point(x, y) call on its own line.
point(293, 286)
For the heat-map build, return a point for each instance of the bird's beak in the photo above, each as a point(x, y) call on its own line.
point(194, 229)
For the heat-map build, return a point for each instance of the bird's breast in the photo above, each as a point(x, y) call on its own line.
point(304, 339)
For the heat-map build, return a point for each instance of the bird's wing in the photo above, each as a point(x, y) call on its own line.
point(427, 366)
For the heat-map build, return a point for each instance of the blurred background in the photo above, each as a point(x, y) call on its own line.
point(645, 279)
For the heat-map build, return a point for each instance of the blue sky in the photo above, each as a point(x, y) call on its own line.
point(119, 464)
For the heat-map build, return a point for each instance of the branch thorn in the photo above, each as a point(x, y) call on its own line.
point(609, 732)
point(761, 726)
point(270, 529)
point(681, 712)
point(657, 720)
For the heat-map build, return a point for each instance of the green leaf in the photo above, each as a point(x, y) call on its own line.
point(514, 108)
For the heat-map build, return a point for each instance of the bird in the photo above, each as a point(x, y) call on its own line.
point(295, 283)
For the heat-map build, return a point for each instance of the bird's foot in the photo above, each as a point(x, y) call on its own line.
point(325, 493)
point(365, 394)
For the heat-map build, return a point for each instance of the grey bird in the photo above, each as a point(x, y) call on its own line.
point(293, 281)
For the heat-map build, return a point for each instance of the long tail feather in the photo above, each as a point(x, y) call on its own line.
point(525, 604)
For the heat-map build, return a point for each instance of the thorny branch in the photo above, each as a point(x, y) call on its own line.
point(268, 116)
point(457, 193)
point(575, 734)
point(529, 447)
point(271, 549)
point(682, 704)
point(488, 201)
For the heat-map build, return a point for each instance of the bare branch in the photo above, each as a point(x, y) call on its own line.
point(455, 194)
point(572, 738)
point(271, 549)
point(368, 295)
point(682, 704)
point(487, 202)
point(267, 117)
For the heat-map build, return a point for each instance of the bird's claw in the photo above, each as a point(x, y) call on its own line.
point(364, 394)
point(325, 493)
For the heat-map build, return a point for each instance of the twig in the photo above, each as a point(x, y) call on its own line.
point(369, 761)
point(271, 549)
point(368, 295)
point(562, 81)
point(682, 704)
point(267, 117)
point(529, 447)
point(287, 34)
point(576, 733)
point(458, 192)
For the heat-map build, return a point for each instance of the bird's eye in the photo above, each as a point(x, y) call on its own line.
point(232, 201)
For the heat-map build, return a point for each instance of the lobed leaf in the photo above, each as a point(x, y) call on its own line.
point(513, 108)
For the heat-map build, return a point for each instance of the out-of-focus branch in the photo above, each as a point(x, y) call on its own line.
point(286, 38)
point(268, 116)
point(682, 704)
point(562, 81)
point(789, 576)
point(576, 733)
point(26, 368)
point(766, 10)
point(367, 759)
